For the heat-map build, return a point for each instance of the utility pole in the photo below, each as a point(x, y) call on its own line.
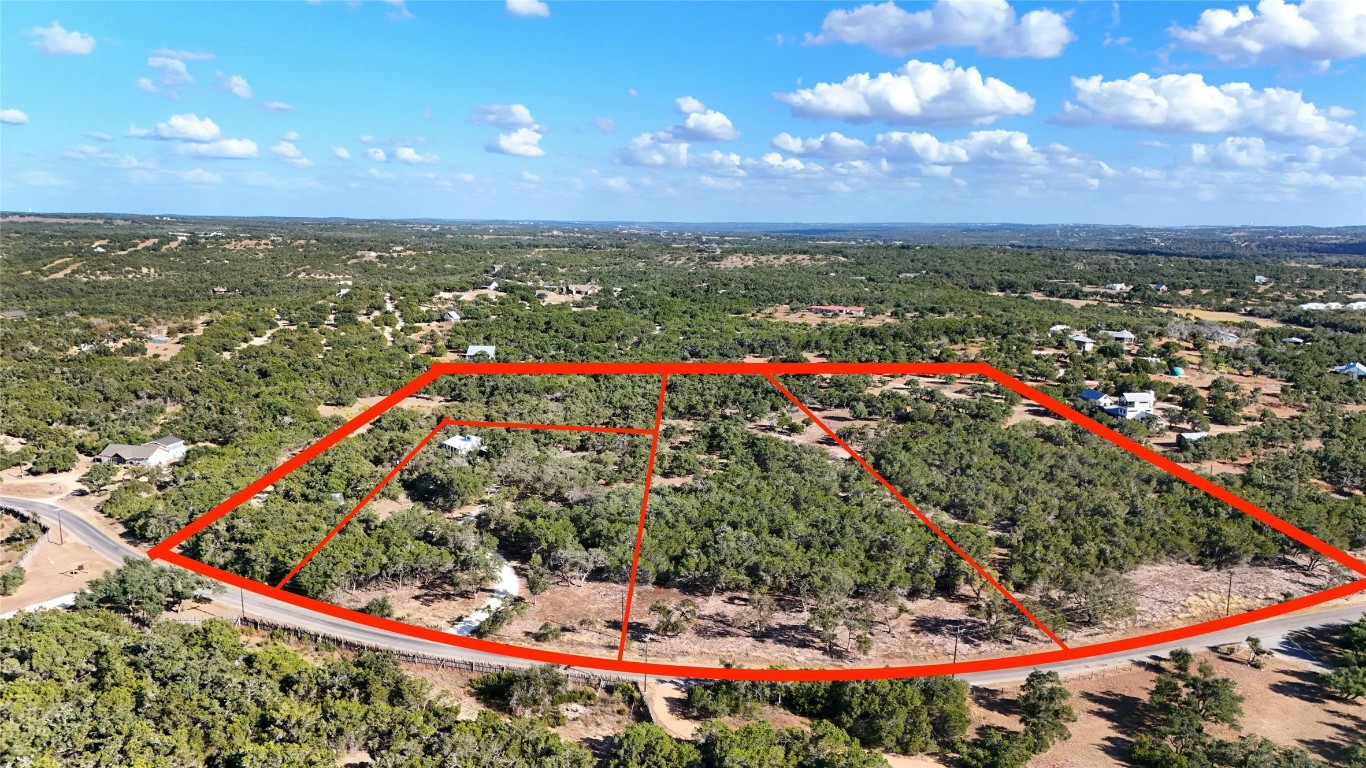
point(242, 601)
point(1228, 599)
point(61, 535)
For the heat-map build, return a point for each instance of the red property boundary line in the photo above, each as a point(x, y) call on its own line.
point(165, 550)
point(347, 517)
point(923, 517)
point(640, 529)
point(422, 443)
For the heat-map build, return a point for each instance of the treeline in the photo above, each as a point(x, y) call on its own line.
point(905, 716)
point(85, 689)
point(1183, 707)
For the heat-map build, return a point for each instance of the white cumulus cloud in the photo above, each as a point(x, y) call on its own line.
point(272, 105)
point(376, 154)
point(1186, 103)
point(55, 40)
point(988, 25)
point(13, 117)
point(1233, 152)
point(1314, 30)
point(670, 146)
point(184, 127)
point(288, 153)
point(702, 124)
point(833, 145)
point(170, 73)
point(411, 156)
point(227, 149)
point(342, 153)
point(503, 116)
point(525, 8)
point(919, 93)
point(523, 142)
point(236, 85)
point(653, 150)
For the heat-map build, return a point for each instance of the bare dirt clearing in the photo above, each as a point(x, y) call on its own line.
point(784, 314)
point(144, 244)
point(56, 570)
point(742, 260)
point(1280, 705)
point(64, 271)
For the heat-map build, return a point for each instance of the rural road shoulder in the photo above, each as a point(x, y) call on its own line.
point(1274, 633)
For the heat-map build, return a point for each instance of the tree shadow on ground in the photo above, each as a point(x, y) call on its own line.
point(1123, 712)
point(1300, 684)
point(1117, 748)
point(992, 700)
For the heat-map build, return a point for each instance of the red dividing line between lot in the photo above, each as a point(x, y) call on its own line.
point(1167, 465)
point(237, 499)
point(923, 518)
point(422, 443)
point(165, 550)
point(342, 523)
point(552, 427)
point(640, 528)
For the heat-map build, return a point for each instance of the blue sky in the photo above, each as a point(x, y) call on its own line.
point(976, 110)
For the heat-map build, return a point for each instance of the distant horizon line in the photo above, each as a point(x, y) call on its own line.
point(6, 214)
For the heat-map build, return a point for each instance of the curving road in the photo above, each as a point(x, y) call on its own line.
point(1275, 633)
point(115, 550)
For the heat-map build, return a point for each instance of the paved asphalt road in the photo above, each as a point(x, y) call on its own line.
point(115, 550)
point(1274, 633)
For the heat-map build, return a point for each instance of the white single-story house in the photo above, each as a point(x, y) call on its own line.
point(1186, 438)
point(451, 316)
point(157, 338)
point(1261, 279)
point(463, 445)
point(1116, 287)
point(1223, 337)
point(837, 309)
point(1059, 328)
point(1133, 405)
point(587, 289)
point(159, 452)
point(1124, 337)
point(476, 350)
point(1294, 340)
point(1096, 397)
point(1086, 343)
point(492, 286)
point(1355, 370)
